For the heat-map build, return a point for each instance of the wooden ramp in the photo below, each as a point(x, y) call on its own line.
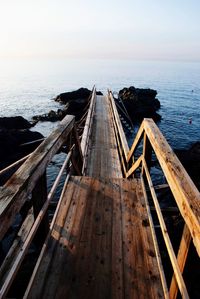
point(103, 159)
point(101, 244)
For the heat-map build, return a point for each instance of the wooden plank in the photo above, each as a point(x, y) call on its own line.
point(147, 152)
point(141, 275)
point(16, 190)
point(119, 125)
point(117, 289)
point(136, 142)
point(181, 258)
point(134, 166)
point(87, 127)
point(165, 234)
point(39, 197)
point(93, 254)
point(185, 192)
point(156, 247)
point(103, 159)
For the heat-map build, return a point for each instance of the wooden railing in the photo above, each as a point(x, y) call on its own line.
point(29, 181)
point(185, 193)
point(88, 128)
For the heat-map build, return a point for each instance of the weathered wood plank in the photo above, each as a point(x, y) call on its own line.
point(119, 125)
point(177, 272)
point(185, 192)
point(103, 159)
point(181, 258)
point(134, 166)
point(15, 192)
point(87, 128)
point(98, 242)
point(136, 142)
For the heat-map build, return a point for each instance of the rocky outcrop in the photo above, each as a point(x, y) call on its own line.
point(190, 159)
point(51, 115)
point(80, 94)
point(16, 122)
point(140, 103)
point(74, 103)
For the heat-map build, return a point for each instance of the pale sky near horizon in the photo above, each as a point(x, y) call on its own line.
point(121, 29)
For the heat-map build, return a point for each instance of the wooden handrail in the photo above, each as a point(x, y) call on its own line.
point(185, 192)
point(119, 125)
point(16, 190)
point(183, 189)
point(87, 127)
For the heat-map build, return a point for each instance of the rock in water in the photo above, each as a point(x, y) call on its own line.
point(140, 103)
point(16, 122)
point(76, 95)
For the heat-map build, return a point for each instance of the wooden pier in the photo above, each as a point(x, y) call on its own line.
point(101, 242)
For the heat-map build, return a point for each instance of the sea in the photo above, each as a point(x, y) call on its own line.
point(28, 86)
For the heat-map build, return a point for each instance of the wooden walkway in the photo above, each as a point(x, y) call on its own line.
point(101, 244)
point(103, 160)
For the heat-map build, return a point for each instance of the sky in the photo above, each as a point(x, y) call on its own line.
point(108, 29)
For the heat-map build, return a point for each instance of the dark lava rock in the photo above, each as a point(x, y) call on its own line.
point(191, 161)
point(14, 131)
point(80, 94)
point(11, 141)
point(51, 115)
point(140, 103)
point(75, 103)
point(16, 122)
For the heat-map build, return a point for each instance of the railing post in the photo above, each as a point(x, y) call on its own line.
point(147, 152)
point(39, 196)
point(181, 259)
point(77, 157)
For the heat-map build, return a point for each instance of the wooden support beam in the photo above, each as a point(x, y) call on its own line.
point(136, 142)
point(185, 192)
point(159, 260)
point(39, 197)
point(181, 258)
point(134, 167)
point(147, 152)
point(177, 272)
point(118, 125)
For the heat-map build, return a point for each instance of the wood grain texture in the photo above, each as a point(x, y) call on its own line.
point(99, 247)
point(185, 192)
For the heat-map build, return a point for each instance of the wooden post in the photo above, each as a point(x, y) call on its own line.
point(147, 152)
point(39, 196)
point(181, 259)
point(77, 156)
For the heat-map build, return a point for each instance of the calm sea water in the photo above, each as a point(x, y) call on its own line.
point(27, 87)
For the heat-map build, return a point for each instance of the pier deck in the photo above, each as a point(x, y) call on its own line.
point(103, 159)
point(101, 244)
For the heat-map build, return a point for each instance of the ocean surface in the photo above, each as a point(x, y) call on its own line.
point(27, 88)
